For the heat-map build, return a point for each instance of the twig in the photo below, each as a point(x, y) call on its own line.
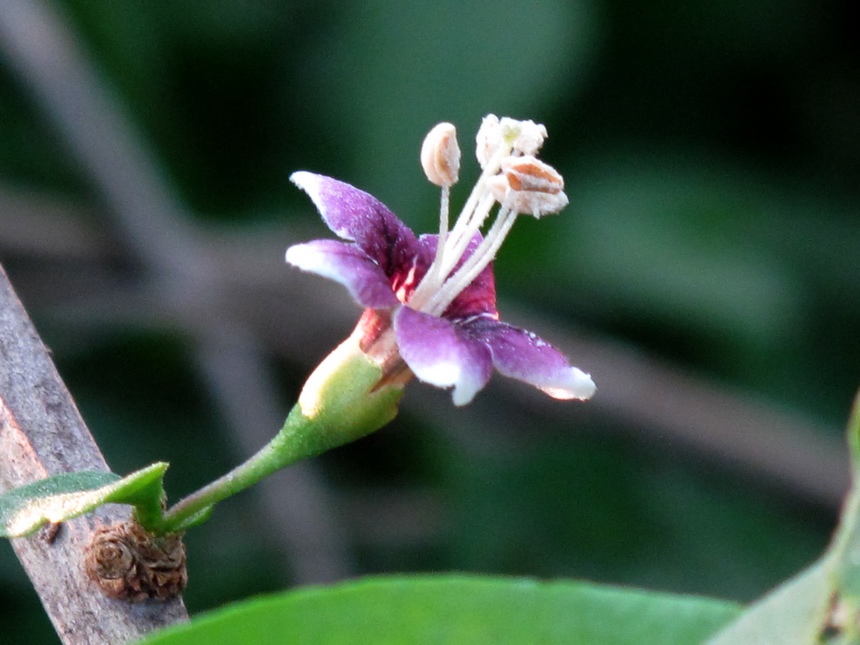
point(42, 434)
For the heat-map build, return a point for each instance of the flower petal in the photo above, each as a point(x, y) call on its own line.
point(476, 299)
point(348, 265)
point(358, 216)
point(440, 354)
point(522, 355)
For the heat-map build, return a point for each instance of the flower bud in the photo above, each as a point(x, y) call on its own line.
point(440, 155)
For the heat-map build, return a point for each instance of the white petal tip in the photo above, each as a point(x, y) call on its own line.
point(300, 176)
point(449, 374)
point(296, 255)
point(461, 397)
point(578, 386)
point(308, 257)
point(307, 181)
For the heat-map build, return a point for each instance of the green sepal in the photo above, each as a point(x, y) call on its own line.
point(56, 499)
point(854, 436)
point(341, 401)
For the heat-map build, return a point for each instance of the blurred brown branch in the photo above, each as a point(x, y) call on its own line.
point(781, 448)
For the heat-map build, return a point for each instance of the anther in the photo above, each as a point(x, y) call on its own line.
point(440, 155)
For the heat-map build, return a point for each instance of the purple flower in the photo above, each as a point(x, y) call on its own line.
point(442, 301)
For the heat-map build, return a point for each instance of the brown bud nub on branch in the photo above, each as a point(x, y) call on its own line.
point(130, 564)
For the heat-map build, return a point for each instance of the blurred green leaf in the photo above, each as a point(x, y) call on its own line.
point(821, 604)
point(790, 615)
point(854, 435)
point(674, 239)
point(459, 609)
point(452, 61)
point(57, 499)
point(844, 600)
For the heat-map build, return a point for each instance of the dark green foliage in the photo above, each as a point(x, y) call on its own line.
point(710, 151)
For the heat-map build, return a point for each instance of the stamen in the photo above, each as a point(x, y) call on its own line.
point(503, 145)
point(480, 189)
point(457, 246)
point(452, 245)
point(428, 283)
point(477, 262)
point(443, 231)
point(440, 155)
point(472, 217)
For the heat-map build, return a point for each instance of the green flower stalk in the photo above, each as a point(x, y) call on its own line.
point(353, 392)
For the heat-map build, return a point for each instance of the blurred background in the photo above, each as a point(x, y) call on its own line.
point(706, 273)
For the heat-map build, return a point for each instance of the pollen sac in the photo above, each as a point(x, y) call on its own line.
point(440, 155)
point(528, 185)
point(525, 136)
point(488, 139)
point(531, 174)
point(519, 137)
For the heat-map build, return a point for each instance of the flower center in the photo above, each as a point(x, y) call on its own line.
point(404, 286)
point(504, 149)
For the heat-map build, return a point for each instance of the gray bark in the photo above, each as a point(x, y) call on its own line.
point(42, 434)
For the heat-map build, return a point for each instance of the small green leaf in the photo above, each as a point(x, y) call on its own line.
point(451, 610)
point(56, 499)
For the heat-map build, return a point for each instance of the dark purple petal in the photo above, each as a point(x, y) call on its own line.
point(347, 264)
point(439, 353)
point(358, 216)
point(406, 279)
point(476, 299)
point(523, 355)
